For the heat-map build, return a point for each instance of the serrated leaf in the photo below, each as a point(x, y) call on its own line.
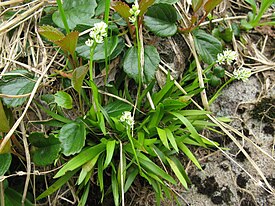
point(151, 62)
point(51, 33)
point(63, 99)
point(99, 54)
point(210, 5)
point(16, 86)
point(78, 76)
point(45, 150)
point(123, 9)
point(69, 42)
point(207, 46)
point(72, 137)
point(161, 20)
point(5, 160)
point(76, 12)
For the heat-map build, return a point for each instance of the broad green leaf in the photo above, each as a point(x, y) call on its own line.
point(207, 46)
point(189, 154)
point(63, 99)
point(81, 159)
point(171, 139)
point(14, 198)
point(99, 54)
point(16, 85)
point(151, 62)
point(116, 108)
point(78, 76)
point(144, 5)
point(58, 184)
point(177, 172)
point(72, 137)
point(161, 20)
point(110, 148)
point(44, 150)
point(76, 12)
point(5, 160)
point(51, 33)
point(210, 5)
point(100, 7)
point(163, 137)
point(4, 123)
point(123, 9)
point(196, 4)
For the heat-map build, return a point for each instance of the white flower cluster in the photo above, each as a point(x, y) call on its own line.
point(97, 34)
point(134, 11)
point(127, 118)
point(227, 56)
point(242, 74)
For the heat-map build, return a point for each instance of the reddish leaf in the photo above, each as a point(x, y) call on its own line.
point(210, 5)
point(196, 5)
point(69, 42)
point(123, 9)
point(144, 5)
point(51, 33)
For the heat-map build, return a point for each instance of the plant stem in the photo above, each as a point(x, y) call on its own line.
point(133, 146)
point(217, 94)
point(92, 50)
point(63, 16)
point(106, 20)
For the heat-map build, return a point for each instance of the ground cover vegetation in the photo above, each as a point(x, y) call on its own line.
point(83, 116)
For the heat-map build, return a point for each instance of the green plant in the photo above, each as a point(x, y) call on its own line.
point(255, 16)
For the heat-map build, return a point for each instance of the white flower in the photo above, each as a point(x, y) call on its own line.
point(227, 56)
point(134, 11)
point(127, 118)
point(97, 34)
point(89, 42)
point(242, 74)
point(189, 2)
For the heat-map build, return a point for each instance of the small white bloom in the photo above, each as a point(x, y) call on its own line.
point(134, 11)
point(242, 74)
point(189, 2)
point(89, 42)
point(127, 118)
point(100, 28)
point(227, 56)
point(132, 19)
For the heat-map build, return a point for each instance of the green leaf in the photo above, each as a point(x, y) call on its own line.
point(210, 5)
point(151, 62)
point(63, 99)
point(207, 46)
point(163, 137)
point(110, 148)
point(99, 54)
point(166, 1)
point(16, 85)
point(5, 160)
point(78, 76)
point(69, 42)
point(76, 12)
point(84, 197)
point(81, 159)
point(44, 150)
point(4, 123)
point(177, 172)
point(72, 137)
point(86, 168)
point(130, 178)
point(115, 188)
point(161, 20)
point(51, 33)
point(116, 108)
point(171, 139)
point(14, 198)
point(144, 5)
point(58, 184)
point(189, 154)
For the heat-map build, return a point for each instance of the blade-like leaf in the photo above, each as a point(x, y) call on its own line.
point(189, 154)
point(81, 159)
point(171, 139)
point(163, 137)
point(110, 148)
point(196, 4)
